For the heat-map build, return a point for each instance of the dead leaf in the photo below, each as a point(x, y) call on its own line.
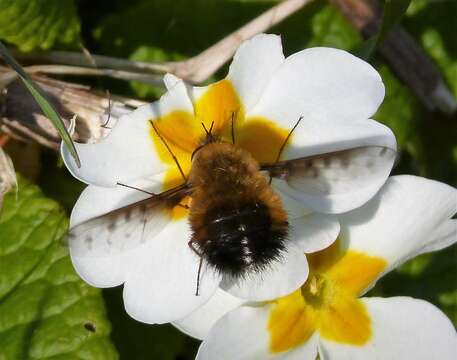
point(7, 175)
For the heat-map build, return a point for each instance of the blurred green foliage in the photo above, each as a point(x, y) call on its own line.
point(39, 24)
point(159, 30)
point(46, 310)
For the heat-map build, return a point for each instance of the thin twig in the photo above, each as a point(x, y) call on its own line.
point(195, 69)
point(202, 66)
point(80, 70)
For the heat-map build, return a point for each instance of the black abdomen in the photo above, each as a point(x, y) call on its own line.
point(242, 238)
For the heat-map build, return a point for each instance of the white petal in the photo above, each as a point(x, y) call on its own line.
point(311, 232)
point(321, 83)
point(242, 335)
point(161, 287)
point(128, 152)
point(170, 81)
point(402, 328)
point(254, 63)
point(199, 323)
point(403, 220)
point(279, 279)
point(110, 270)
point(443, 236)
point(294, 208)
point(345, 180)
point(314, 232)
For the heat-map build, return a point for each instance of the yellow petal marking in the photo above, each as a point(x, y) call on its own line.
point(345, 320)
point(355, 271)
point(262, 138)
point(327, 302)
point(291, 322)
point(219, 104)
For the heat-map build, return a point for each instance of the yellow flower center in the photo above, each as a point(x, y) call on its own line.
point(317, 291)
point(327, 302)
point(183, 132)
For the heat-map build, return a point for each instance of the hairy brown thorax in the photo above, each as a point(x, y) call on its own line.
point(238, 221)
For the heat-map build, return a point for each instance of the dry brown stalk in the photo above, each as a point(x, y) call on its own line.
point(196, 69)
point(404, 55)
point(21, 117)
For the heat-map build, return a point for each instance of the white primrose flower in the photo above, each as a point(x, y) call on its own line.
point(315, 104)
point(327, 315)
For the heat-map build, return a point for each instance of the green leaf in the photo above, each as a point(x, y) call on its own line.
point(45, 106)
point(46, 311)
point(39, 24)
point(394, 10)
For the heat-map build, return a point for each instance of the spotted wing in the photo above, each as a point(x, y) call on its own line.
point(124, 228)
point(336, 172)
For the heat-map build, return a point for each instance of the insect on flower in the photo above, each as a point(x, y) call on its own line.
point(238, 222)
point(229, 185)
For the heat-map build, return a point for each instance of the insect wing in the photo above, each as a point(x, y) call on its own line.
point(125, 228)
point(336, 172)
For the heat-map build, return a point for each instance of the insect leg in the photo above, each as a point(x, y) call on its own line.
point(200, 254)
point(135, 188)
point(194, 249)
point(287, 138)
point(285, 142)
point(105, 125)
point(198, 276)
point(169, 150)
point(233, 129)
point(184, 206)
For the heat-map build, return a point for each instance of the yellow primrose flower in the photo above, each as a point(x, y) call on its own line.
point(261, 99)
point(327, 315)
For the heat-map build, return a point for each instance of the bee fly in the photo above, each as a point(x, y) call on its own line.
point(237, 220)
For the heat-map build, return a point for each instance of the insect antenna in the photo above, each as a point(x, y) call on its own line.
point(285, 142)
point(208, 132)
point(169, 150)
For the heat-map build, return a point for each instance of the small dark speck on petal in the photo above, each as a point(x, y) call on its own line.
point(313, 172)
point(111, 226)
point(128, 215)
point(345, 161)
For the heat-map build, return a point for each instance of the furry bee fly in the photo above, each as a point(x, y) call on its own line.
point(238, 221)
